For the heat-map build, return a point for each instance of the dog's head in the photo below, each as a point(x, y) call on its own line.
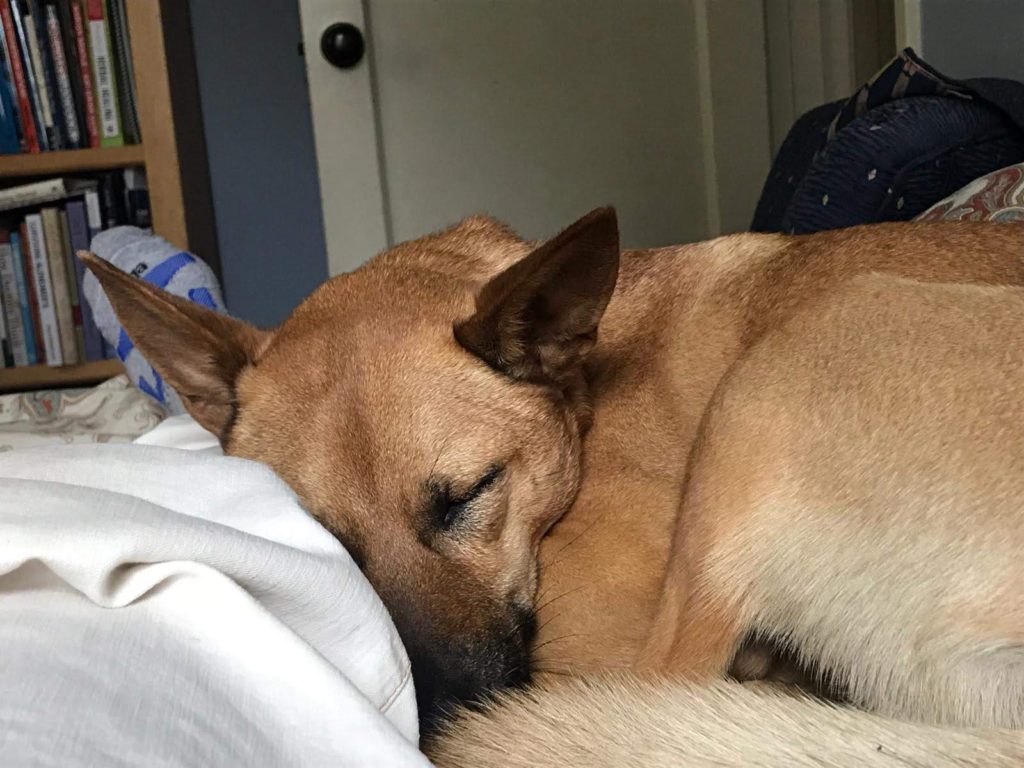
point(427, 409)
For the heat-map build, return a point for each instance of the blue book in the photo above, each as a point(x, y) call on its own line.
point(23, 299)
point(78, 234)
point(10, 120)
point(10, 144)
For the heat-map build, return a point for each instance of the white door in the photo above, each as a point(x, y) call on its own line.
point(536, 111)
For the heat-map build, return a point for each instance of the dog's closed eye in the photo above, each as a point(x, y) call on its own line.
point(450, 505)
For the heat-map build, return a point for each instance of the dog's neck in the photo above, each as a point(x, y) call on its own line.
point(675, 324)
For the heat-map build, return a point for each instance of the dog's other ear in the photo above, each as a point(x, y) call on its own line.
point(198, 352)
point(538, 319)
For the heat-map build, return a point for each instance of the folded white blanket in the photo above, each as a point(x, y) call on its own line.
point(162, 607)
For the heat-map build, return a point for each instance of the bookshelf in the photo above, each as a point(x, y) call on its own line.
point(173, 154)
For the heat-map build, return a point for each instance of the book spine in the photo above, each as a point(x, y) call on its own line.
point(62, 75)
point(6, 358)
point(33, 293)
point(136, 198)
point(44, 289)
point(121, 44)
point(82, 52)
point(112, 199)
point(60, 290)
point(11, 141)
point(24, 288)
point(12, 306)
point(9, 41)
point(74, 287)
point(17, 68)
point(48, 81)
point(93, 214)
point(78, 233)
point(103, 75)
point(42, 87)
point(67, 39)
point(28, 194)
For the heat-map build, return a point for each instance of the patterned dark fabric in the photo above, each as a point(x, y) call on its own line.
point(905, 140)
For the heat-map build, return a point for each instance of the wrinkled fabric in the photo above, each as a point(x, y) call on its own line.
point(165, 607)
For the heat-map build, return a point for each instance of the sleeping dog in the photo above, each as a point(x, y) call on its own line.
point(817, 440)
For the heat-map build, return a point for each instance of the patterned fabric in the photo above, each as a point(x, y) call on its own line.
point(904, 76)
point(899, 160)
point(999, 197)
point(907, 139)
point(113, 412)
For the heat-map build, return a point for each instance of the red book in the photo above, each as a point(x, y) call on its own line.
point(89, 96)
point(28, 123)
point(37, 326)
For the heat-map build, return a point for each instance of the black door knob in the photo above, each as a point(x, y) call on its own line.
point(342, 45)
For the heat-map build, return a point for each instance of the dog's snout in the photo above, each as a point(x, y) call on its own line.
point(447, 673)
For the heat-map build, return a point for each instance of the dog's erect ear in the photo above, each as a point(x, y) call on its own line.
point(538, 319)
point(198, 352)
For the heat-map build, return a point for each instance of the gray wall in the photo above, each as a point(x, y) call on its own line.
point(982, 38)
point(259, 139)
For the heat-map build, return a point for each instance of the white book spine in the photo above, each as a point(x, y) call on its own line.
point(44, 289)
point(94, 213)
point(27, 194)
point(32, 36)
point(12, 305)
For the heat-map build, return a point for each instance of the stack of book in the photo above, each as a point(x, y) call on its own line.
point(43, 316)
point(66, 79)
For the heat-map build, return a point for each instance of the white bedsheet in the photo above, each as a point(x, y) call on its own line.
point(167, 607)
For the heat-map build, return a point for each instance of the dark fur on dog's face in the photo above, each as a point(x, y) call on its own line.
point(428, 410)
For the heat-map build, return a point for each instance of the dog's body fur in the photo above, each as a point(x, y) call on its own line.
point(623, 722)
point(816, 438)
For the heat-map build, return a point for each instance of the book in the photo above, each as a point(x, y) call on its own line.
point(12, 54)
point(60, 284)
point(50, 333)
point(6, 359)
point(93, 214)
point(74, 8)
point(39, 192)
point(112, 199)
point(21, 43)
point(33, 298)
point(24, 288)
point(125, 72)
point(43, 93)
point(104, 79)
point(78, 235)
point(12, 307)
point(62, 76)
point(11, 142)
point(74, 286)
point(136, 198)
point(37, 17)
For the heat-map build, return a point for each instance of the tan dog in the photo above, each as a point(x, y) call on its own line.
point(845, 402)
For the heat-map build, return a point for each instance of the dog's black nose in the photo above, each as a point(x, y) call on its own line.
point(447, 675)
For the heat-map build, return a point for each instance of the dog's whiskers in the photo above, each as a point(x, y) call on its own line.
point(548, 602)
point(573, 540)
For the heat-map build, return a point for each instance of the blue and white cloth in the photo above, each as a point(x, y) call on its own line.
point(158, 262)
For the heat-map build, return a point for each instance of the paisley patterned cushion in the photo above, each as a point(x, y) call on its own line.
point(997, 196)
point(113, 412)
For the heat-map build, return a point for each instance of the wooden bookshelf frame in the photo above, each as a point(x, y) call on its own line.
point(173, 153)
